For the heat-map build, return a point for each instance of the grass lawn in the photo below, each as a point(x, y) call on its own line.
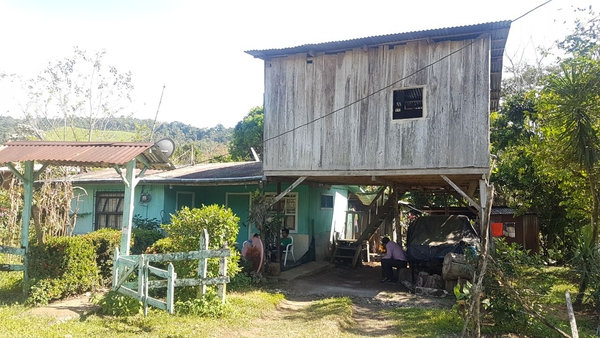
point(268, 314)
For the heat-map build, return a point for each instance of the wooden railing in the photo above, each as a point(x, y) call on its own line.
point(124, 266)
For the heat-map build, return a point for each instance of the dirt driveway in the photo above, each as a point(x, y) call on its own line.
point(369, 296)
point(362, 284)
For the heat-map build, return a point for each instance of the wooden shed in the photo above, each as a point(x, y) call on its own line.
point(392, 109)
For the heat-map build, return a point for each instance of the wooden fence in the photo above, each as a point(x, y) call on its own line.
point(125, 266)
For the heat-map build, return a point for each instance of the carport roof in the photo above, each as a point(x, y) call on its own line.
point(85, 154)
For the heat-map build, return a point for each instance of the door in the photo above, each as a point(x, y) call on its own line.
point(240, 205)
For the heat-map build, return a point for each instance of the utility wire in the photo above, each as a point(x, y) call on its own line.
point(393, 83)
point(386, 87)
point(531, 10)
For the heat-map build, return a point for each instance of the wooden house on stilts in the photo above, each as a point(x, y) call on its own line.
point(408, 111)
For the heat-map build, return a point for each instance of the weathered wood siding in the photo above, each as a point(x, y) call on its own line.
point(454, 132)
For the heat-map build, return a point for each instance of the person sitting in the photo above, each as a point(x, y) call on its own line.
point(394, 257)
point(285, 239)
point(283, 243)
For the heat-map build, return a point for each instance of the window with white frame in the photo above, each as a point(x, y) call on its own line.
point(289, 210)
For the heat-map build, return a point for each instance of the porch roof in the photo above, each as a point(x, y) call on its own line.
point(85, 154)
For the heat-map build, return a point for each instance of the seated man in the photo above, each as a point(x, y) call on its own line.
point(285, 239)
point(394, 257)
point(283, 243)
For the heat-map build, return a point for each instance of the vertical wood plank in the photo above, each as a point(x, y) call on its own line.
point(203, 262)
point(171, 288)
point(221, 289)
point(115, 269)
point(146, 264)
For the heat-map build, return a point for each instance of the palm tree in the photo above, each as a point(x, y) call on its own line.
point(571, 102)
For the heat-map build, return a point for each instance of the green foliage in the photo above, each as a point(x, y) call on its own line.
point(143, 239)
point(248, 133)
point(104, 241)
point(209, 305)
point(187, 225)
point(183, 234)
point(116, 304)
point(146, 223)
point(45, 290)
point(61, 267)
point(511, 280)
point(264, 218)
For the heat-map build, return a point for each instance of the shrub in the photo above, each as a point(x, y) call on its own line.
point(116, 304)
point(208, 305)
point(183, 234)
point(105, 241)
point(146, 223)
point(144, 238)
point(61, 267)
point(515, 269)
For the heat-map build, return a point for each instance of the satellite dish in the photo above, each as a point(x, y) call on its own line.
point(166, 146)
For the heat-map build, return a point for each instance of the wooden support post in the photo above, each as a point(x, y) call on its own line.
point(203, 262)
point(462, 193)
point(128, 202)
point(28, 179)
point(482, 200)
point(281, 195)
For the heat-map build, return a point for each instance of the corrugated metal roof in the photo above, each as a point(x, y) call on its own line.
point(210, 173)
point(498, 31)
point(459, 32)
point(88, 154)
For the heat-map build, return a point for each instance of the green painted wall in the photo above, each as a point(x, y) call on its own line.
point(85, 204)
point(312, 219)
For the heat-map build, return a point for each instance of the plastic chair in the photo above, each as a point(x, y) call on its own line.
point(289, 249)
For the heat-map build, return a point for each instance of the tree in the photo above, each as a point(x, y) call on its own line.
point(571, 106)
point(79, 91)
point(248, 133)
point(522, 182)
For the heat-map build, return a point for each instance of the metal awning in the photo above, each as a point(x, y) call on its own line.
point(85, 154)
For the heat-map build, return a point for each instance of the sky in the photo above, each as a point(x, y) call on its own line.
point(196, 48)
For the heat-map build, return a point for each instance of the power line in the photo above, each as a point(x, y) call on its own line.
point(531, 10)
point(391, 84)
point(385, 87)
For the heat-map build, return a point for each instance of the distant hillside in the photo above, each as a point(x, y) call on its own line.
point(140, 128)
point(192, 144)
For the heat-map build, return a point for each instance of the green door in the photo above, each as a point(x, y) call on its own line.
point(240, 205)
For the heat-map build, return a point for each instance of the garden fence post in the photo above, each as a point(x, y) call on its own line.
point(140, 291)
point(222, 273)
point(171, 288)
point(146, 264)
point(202, 262)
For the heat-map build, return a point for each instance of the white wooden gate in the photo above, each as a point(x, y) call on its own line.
point(125, 266)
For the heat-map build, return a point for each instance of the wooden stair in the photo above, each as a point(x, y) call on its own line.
point(351, 248)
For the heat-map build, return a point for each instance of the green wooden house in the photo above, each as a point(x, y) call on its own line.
point(310, 210)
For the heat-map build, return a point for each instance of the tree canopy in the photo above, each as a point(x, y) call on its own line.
point(246, 134)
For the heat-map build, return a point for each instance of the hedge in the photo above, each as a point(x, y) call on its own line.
point(61, 267)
